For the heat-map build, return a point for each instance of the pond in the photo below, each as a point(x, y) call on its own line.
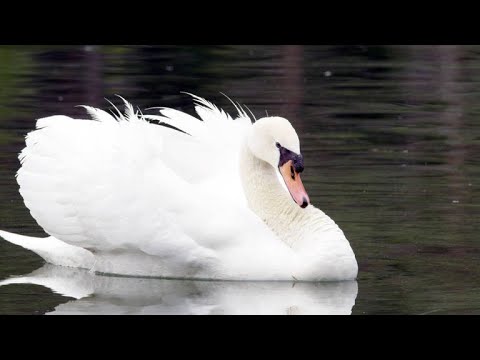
point(391, 140)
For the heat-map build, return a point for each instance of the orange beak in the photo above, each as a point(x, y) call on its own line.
point(294, 184)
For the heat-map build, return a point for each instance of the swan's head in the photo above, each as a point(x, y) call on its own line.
point(275, 141)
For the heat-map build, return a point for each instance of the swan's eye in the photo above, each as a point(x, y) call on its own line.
point(292, 173)
point(277, 145)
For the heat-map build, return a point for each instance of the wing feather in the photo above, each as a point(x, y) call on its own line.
point(117, 182)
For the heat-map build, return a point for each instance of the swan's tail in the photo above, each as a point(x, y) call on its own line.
point(52, 250)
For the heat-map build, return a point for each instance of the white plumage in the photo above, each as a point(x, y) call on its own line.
point(121, 195)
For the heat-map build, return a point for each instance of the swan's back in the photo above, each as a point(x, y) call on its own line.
point(75, 172)
point(116, 183)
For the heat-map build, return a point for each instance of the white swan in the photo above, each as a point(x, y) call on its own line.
point(220, 199)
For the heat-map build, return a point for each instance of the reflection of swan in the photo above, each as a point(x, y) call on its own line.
point(122, 195)
point(97, 294)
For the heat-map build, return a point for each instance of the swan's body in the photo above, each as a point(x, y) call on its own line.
point(122, 195)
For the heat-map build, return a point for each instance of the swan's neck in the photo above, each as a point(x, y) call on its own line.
point(274, 205)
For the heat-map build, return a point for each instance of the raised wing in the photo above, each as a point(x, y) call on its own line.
point(121, 182)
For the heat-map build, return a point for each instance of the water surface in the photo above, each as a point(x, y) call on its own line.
point(391, 139)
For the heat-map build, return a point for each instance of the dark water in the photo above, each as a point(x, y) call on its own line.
point(391, 138)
